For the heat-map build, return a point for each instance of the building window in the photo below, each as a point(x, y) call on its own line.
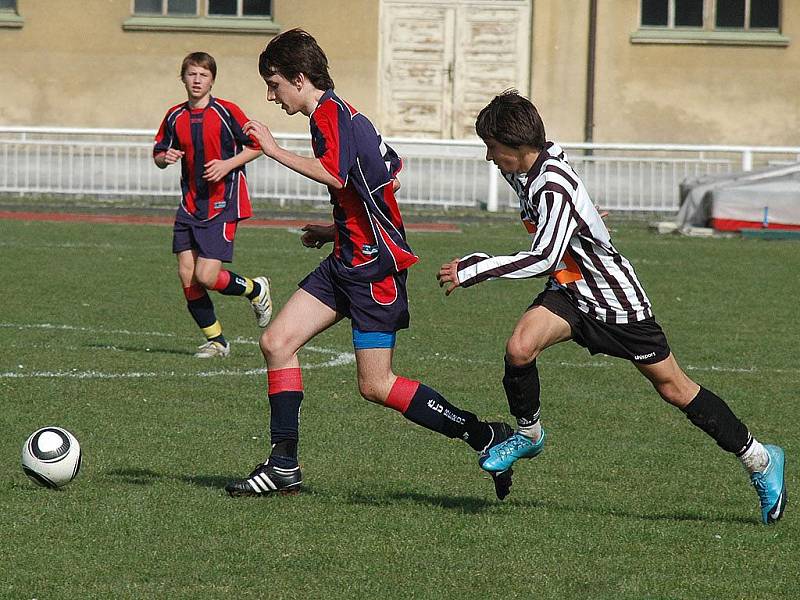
point(726, 22)
point(203, 8)
point(711, 15)
point(9, 18)
point(230, 16)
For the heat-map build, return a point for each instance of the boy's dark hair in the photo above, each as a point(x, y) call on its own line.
point(199, 59)
point(293, 52)
point(511, 120)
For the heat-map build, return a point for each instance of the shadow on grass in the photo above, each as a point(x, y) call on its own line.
point(136, 476)
point(144, 350)
point(465, 504)
point(217, 482)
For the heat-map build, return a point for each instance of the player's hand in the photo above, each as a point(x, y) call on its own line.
point(261, 134)
point(215, 170)
point(603, 213)
point(171, 156)
point(448, 276)
point(316, 236)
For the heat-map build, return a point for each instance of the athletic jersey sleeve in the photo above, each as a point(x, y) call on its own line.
point(332, 140)
point(554, 227)
point(165, 136)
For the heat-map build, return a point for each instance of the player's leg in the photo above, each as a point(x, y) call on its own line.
point(200, 307)
point(711, 414)
point(419, 403)
point(301, 318)
point(538, 329)
point(218, 245)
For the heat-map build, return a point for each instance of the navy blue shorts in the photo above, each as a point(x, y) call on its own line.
point(212, 240)
point(371, 306)
point(642, 342)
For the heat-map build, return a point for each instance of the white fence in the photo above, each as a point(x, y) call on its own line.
point(116, 164)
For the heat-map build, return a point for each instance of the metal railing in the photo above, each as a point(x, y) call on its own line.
point(115, 164)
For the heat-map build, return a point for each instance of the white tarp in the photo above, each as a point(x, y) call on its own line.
point(742, 197)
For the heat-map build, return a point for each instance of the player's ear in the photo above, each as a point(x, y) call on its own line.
point(299, 81)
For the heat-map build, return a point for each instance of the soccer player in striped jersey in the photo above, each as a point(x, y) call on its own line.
point(205, 135)
point(363, 279)
point(592, 296)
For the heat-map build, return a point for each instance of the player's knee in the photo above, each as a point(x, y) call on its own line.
point(273, 345)
point(373, 389)
point(206, 280)
point(519, 352)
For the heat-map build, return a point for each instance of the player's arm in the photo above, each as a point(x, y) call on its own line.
point(553, 231)
point(216, 169)
point(305, 165)
point(316, 236)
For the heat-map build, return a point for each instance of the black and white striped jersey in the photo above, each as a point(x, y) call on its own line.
point(570, 244)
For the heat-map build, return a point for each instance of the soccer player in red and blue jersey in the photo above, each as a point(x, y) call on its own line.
point(205, 134)
point(363, 279)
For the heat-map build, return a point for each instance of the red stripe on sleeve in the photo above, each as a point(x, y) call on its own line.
point(401, 394)
point(326, 118)
point(285, 380)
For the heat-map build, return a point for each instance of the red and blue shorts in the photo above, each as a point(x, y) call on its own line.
point(213, 239)
point(377, 307)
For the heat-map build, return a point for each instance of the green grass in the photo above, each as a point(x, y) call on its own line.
point(628, 501)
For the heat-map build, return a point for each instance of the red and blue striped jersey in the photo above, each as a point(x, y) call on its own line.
point(213, 132)
point(370, 240)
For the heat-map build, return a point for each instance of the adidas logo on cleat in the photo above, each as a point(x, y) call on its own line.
point(267, 479)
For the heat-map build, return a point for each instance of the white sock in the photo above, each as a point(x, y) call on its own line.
point(755, 459)
point(532, 432)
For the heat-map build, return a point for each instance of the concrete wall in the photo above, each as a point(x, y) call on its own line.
point(72, 64)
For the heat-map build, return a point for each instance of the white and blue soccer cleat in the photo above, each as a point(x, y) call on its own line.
point(770, 485)
point(502, 456)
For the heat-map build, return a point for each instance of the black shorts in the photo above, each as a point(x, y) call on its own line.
point(642, 342)
point(376, 306)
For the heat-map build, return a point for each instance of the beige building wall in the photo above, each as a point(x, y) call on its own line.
point(663, 93)
point(73, 65)
point(558, 67)
point(695, 93)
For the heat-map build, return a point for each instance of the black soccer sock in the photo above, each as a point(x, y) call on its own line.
point(230, 284)
point(285, 397)
point(710, 413)
point(522, 391)
point(202, 310)
point(426, 407)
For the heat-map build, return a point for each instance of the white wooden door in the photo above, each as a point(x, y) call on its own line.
point(443, 60)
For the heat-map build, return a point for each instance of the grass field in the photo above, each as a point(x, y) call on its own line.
point(629, 500)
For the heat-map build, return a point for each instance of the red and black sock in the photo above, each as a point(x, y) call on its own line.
point(202, 310)
point(285, 396)
point(426, 407)
point(230, 284)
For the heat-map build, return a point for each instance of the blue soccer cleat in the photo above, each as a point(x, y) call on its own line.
point(502, 456)
point(770, 486)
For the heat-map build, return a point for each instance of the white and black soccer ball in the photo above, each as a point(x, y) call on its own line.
point(51, 457)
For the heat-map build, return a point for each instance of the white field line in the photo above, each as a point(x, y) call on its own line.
point(336, 359)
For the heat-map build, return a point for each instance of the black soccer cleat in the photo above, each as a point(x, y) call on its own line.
point(502, 479)
point(267, 479)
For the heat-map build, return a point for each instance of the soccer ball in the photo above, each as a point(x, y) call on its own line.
point(51, 457)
